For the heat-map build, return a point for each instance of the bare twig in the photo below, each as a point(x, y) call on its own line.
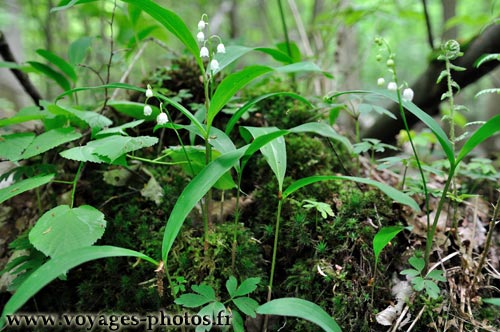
point(111, 54)
point(428, 24)
point(25, 81)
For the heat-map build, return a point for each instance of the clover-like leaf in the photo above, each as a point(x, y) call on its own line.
point(247, 286)
point(246, 305)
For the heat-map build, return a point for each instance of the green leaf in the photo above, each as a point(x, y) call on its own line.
point(299, 308)
point(487, 57)
point(290, 49)
point(25, 114)
point(410, 272)
point(24, 185)
point(431, 289)
point(299, 67)
point(436, 275)
point(92, 119)
point(173, 23)
point(63, 229)
point(236, 116)
point(491, 127)
point(231, 285)
point(193, 192)
point(182, 109)
point(119, 129)
point(494, 301)
point(322, 129)
point(66, 4)
point(230, 85)
point(205, 290)
point(421, 115)
point(247, 286)
point(59, 62)
point(51, 73)
point(418, 283)
point(192, 300)
point(50, 140)
point(237, 322)
point(13, 145)
point(383, 237)
point(246, 305)
point(394, 194)
point(274, 152)
point(58, 266)
point(417, 262)
point(109, 148)
point(79, 49)
point(133, 109)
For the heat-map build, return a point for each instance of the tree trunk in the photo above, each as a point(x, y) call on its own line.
point(428, 93)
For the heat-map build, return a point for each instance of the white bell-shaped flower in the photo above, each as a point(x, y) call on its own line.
point(149, 92)
point(381, 81)
point(200, 36)
point(162, 118)
point(204, 52)
point(147, 110)
point(221, 48)
point(408, 94)
point(214, 65)
point(392, 86)
point(201, 25)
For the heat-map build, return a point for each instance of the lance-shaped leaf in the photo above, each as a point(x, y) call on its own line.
point(24, 185)
point(59, 62)
point(490, 128)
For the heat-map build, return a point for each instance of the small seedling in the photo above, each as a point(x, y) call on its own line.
point(420, 281)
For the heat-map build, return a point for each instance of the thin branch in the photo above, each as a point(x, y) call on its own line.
point(23, 79)
point(111, 54)
point(428, 24)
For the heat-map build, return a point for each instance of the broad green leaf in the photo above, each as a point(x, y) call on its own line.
point(294, 307)
point(417, 262)
point(277, 54)
point(191, 300)
point(290, 49)
point(491, 127)
point(197, 161)
point(230, 85)
point(236, 116)
point(493, 300)
point(109, 148)
point(247, 286)
point(91, 118)
point(246, 305)
point(51, 73)
point(274, 152)
point(220, 141)
point(50, 140)
point(193, 192)
point(424, 117)
point(205, 290)
point(418, 283)
point(64, 229)
point(173, 23)
point(431, 289)
point(182, 109)
point(24, 185)
point(322, 129)
point(58, 266)
point(78, 50)
point(13, 145)
point(237, 322)
point(28, 113)
point(59, 62)
point(383, 237)
point(231, 285)
point(410, 272)
point(119, 129)
point(437, 275)
point(394, 194)
point(133, 109)
point(299, 67)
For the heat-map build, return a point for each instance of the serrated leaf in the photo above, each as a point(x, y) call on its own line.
point(246, 305)
point(92, 119)
point(205, 290)
point(231, 285)
point(13, 145)
point(59, 62)
point(63, 229)
point(437, 275)
point(431, 289)
point(410, 272)
point(417, 262)
point(24, 185)
point(247, 286)
point(50, 140)
point(191, 300)
point(28, 113)
point(109, 149)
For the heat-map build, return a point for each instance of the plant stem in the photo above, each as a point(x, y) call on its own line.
point(75, 181)
point(275, 249)
point(236, 220)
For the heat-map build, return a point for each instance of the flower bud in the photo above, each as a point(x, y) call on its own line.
point(200, 36)
point(214, 65)
point(204, 52)
point(408, 94)
point(381, 81)
point(390, 63)
point(201, 25)
point(392, 86)
point(147, 110)
point(149, 92)
point(221, 48)
point(162, 118)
